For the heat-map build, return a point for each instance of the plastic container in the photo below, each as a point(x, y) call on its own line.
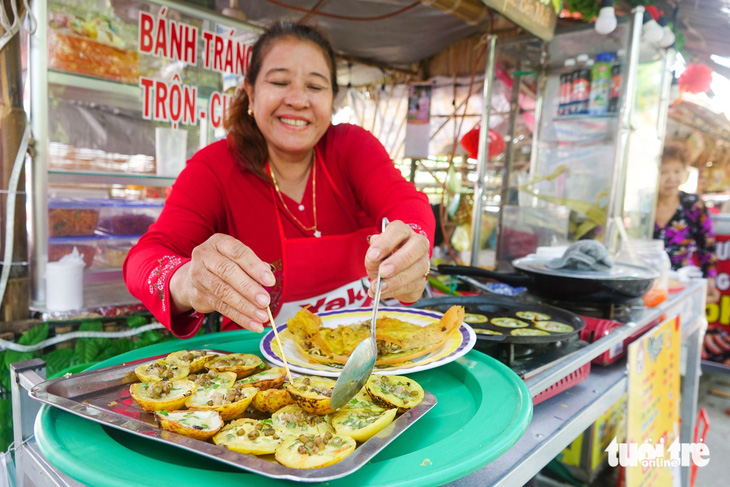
point(72, 217)
point(65, 282)
point(616, 79)
point(170, 151)
point(649, 253)
point(601, 84)
point(580, 95)
point(127, 217)
point(60, 246)
point(111, 251)
point(566, 88)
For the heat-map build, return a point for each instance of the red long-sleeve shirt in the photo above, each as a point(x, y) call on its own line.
point(215, 194)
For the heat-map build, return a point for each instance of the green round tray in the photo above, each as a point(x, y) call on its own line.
point(483, 409)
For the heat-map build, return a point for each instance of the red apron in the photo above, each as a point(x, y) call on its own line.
point(327, 272)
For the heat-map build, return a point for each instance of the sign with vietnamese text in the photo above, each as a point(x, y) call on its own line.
point(653, 407)
point(174, 101)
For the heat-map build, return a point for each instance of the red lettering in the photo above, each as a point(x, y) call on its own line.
point(146, 27)
point(315, 307)
point(248, 57)
point(229, 57)
point(160, 100)
point(337, 303)
point(189, 105)
point(175, 103)
point(207, 37)
point(217, 53)
point(146, 84)
point(191, 43)
point(355, 296)
point(176, 40)
point(214, 112)
point(161, 41)
point(241, 59)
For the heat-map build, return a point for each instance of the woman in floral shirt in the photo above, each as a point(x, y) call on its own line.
point(683, 223)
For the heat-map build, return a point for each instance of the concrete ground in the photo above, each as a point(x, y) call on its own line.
point(714, 396)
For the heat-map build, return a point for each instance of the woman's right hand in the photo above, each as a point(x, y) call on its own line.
point(226, 276)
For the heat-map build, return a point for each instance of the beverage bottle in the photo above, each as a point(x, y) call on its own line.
point(581, 85)
point(566, 88)
point(616, 77)
point(601, 83)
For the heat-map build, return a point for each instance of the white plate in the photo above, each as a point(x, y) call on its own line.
point(456, 346)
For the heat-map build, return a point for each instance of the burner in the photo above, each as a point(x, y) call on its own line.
point(609, 311)
point(528, 360)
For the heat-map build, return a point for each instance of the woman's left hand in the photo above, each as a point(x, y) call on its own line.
point(401, 256)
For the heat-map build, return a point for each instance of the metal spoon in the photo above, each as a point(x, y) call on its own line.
point(360, 365)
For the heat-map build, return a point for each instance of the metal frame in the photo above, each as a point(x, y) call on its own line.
point(476, 227)
point(41, 176)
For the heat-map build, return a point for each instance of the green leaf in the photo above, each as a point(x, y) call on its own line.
point(58, 360)
point(4, 373)
point(116, 347)
point(90, 325)
point(86, 350)
point(13, 356)
point(136, 321)
point(6, 423)
point(35, 335)
point(147, 338)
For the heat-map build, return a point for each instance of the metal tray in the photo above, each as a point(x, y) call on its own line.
point(103, 396)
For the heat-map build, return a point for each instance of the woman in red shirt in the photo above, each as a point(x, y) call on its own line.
point(286, 211)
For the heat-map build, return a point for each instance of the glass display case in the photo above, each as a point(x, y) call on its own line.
point(110, 79)
point(602, 104)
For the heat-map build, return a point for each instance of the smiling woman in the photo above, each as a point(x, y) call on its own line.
point(282, 213)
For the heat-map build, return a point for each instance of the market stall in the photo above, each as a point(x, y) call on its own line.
point(138, 112)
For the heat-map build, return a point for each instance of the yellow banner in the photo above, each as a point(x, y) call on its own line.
point(653, 412)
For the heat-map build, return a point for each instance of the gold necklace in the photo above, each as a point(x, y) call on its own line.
point(313, 228)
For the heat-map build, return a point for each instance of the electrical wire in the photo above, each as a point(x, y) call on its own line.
point(6, 345)
point(346, 17)
point(10, 209)
point(9, 30)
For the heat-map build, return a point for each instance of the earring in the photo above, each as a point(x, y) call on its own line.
point(250, 112)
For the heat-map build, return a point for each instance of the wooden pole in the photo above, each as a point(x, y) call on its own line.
point(12, 125)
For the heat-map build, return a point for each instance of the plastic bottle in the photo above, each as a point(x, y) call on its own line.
point(566, 88)
point(616, 78)
point(651, 254)
point(581, 85)
point(601, 83)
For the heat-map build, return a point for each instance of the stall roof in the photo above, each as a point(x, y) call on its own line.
point(704, 23)
point(394, 33)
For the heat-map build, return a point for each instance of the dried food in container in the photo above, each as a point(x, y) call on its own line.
point(127, 217)
point(68, 217)
point(112, 251)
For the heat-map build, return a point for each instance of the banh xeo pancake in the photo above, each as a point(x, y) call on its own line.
point(398, 341)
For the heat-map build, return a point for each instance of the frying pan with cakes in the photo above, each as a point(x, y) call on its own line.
point(496, 318)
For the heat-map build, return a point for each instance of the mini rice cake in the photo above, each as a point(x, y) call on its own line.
point(314, 451)
point(200, 425)
point(230, 403)
point(249, 436)
point(294, 421)
point(154, 396)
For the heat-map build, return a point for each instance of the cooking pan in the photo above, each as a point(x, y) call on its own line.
point(620, 284)
point(492, 306)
